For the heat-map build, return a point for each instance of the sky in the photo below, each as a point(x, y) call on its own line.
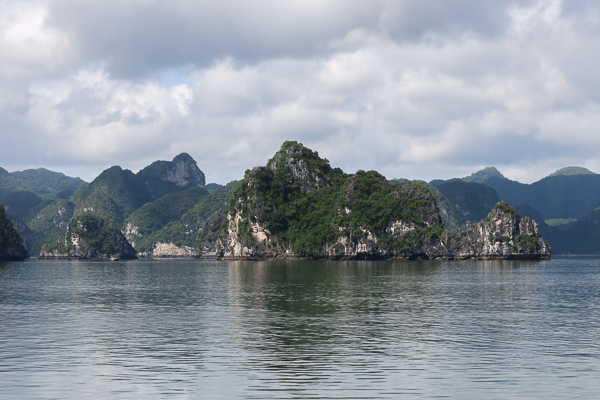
point(416, 89)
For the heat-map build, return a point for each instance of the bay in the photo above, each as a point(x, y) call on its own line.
point(193, 329)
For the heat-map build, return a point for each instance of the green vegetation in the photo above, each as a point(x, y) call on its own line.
point(94, 235)
point(471, 201)
point(483, 175)
point(560, 221)
point(568, 171)
point(555, 197)
point(21, 201)
point(116, 193)
point(10, 241)
point(283, 197)
point(577, 237)
point(211, 187)
point(42, 182)
point(450, 217)
point(184, 230)
point(505, 208)
point(154, 215)
point(48, 225)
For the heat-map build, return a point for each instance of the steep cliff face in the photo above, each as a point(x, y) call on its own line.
point(90, 237)
point(303, 167)
point(183, 171)
point(11, 243)
point(472, 201)
point(503, 234)
point(299, 207)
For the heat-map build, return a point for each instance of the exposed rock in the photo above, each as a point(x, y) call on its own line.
point(182, 171)
point(131, 232)
point(255, 227)
point(11, 243)
point(170, 250)
point(304, 165)
point(89, 237)
point(502, 235)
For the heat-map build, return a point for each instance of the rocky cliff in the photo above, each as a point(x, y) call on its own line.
point(183, 171)
point(11, 243)
point(169, 250)
point(299, 207)
point(89, 237)
point(503, 234)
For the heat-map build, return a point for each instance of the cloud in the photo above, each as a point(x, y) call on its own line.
point(28, 44)
point(137, 37)
point(415, 89)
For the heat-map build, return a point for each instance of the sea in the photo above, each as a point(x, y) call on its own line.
point(193, 329)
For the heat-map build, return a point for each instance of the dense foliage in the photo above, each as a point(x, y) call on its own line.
point(305, 204)
point(94, 235)
point(42, 182)
point(154, 215)
point(9, 237)
point(184, 231)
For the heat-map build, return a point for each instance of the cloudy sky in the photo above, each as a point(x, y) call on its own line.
point(419, 89)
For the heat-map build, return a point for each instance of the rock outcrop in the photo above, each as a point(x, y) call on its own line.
point(170, 250)
point(503, 234)
point(299, 207)
point(183, 171)
point(11, 243)
point(89, 237)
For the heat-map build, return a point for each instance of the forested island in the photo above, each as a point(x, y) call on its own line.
point(297, 206)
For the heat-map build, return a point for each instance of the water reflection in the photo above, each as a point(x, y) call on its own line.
point(147, 328)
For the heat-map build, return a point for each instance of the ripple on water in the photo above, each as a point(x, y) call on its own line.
point(327, 330)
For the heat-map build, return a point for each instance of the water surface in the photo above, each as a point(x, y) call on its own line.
point(300, 330)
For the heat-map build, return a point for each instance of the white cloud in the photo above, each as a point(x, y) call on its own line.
point(415, 89)
point(28, 44)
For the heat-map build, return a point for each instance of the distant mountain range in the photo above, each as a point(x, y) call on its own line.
point(44, 183)
point(571, 193)
point(152, 198)
point(165, 205)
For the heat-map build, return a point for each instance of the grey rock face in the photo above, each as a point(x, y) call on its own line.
point(502, 235)
point(309, 179)
point(183, 171)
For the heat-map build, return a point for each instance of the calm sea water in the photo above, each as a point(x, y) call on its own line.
point(300, 330)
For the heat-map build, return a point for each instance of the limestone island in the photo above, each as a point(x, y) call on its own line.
point(89, 237)
point(299, 207)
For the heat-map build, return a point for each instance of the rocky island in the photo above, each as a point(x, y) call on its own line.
point(299, 207)
point(89, 237)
